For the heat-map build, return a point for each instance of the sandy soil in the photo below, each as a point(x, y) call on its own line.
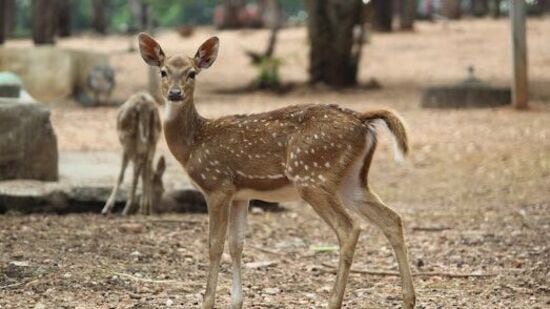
point(474, 193)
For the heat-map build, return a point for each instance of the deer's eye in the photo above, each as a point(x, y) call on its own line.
point(192, 74)
point(163, 73)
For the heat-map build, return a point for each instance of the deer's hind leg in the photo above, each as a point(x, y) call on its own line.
point(146, 201)
point(370, 206)
point(329, 206)
point(138, 166)
point(112, 198)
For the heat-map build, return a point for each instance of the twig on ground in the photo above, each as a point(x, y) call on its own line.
point(423, 274)
point(266, 250)
point(14, 285)
point(430, 228)
point(269, 251)
point(144, 279)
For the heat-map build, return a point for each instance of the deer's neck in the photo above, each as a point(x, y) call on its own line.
point(182, 127)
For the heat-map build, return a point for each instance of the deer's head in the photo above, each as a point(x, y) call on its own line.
point(177, 72)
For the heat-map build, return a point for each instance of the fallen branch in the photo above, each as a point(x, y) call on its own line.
point(13, 285)
point(430, 228)
point(144, 279)
point(423, 274)
point(265, 250)
point(281, 255)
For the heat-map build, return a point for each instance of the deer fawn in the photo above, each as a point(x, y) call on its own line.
point(138, 127)
point(318, 153)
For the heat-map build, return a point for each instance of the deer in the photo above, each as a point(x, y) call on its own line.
point(316, 153)
point(138, 128)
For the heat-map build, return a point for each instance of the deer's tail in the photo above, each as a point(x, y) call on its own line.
point(395, 126)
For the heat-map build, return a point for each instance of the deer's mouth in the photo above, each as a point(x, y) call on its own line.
point(175, 97)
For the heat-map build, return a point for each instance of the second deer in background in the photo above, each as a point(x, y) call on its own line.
point(138, 127)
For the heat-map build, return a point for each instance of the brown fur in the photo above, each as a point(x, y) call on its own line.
point(138, 127)
point(318, 152)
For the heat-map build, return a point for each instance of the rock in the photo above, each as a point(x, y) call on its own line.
point(39, 306)
point(260, 264)
point(134, 228)
point(465, 96)
point(49, 72)
point(10, 85)
point(256, 211)
point(471, 92)
point(271, 291)
point(20, 263)
point(28, 144)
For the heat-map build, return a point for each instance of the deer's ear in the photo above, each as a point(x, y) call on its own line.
point(161, 166)
point(207, 53)
point(150, 50)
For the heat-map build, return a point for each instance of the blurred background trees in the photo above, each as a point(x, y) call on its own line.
point(335, 48)
point(336, 28)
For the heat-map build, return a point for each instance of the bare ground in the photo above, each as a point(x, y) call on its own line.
point(474, 193)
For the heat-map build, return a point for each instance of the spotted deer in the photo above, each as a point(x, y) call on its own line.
point(320, 154)
point(138, 127)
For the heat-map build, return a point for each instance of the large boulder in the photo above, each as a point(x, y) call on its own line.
point(10, 85)
point(49, 72)
point(28, 145)
point(471, 92)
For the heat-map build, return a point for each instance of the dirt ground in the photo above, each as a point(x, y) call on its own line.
point(474, 194)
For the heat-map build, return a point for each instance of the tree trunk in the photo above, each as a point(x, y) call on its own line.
point(3, 24)
point(231, 10)
point(141, 16)
point(480, 7)
point(407, 14)
point(64, 18)
point(383, 15)
point(334, 53)
point(494, 8)
point(7, 15)
point(99, 18)
point(44, 21)
point(451, 9)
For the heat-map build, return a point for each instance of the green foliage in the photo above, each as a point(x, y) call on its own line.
point(166, 13)
point(268, 73)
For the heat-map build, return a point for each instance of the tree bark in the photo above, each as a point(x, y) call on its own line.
point(141, 16)
point(480, 7)
point(3, 24)
point(335, 52)
point(44, 21)
point(451, 9)
point(7, 19)
point(407, 14)
point(231, 10)
point(494, 8)
point(99, 17)
point(64, 18)
point(383, 15)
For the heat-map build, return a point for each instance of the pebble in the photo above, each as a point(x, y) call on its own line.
point(271, 291)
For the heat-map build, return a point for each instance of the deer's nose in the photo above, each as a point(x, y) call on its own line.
point(175, 94)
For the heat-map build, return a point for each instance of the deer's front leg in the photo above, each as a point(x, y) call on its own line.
point(237, 229)
point(218, 215)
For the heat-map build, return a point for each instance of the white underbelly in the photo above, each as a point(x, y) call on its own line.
point(285, 194)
